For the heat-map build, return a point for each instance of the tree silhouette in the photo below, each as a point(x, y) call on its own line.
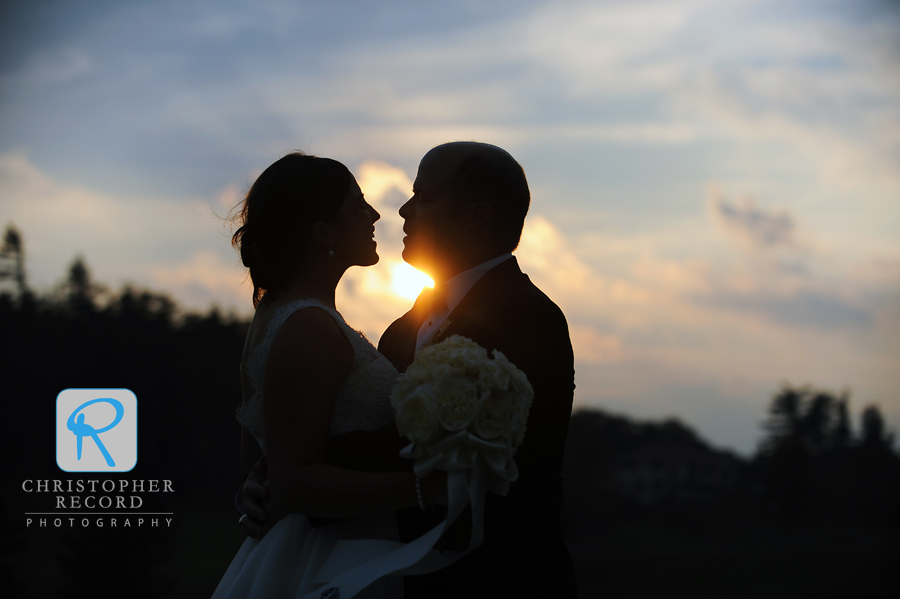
point(873, 431)
point(815, 420)
point(78, 290)
point(12, 254)
point(814, 469)
point(841, 435)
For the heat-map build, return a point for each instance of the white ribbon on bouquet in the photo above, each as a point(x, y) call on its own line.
point(474, 466)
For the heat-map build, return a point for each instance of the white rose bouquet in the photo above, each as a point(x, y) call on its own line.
point(464, 413)
point(453, 386)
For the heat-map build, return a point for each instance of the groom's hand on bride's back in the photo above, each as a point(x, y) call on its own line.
point(254, 498)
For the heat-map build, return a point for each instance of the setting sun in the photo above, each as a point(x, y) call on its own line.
point(409, 282)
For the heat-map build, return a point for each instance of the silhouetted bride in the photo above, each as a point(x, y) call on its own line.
point(306, 376)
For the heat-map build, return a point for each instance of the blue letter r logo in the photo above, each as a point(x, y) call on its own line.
point(108, 419)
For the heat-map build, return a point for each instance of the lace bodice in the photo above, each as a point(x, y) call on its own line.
point(363, 401)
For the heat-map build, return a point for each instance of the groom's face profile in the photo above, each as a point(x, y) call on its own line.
point(434, 225)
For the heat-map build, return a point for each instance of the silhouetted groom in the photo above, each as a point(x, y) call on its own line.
point(462, 223)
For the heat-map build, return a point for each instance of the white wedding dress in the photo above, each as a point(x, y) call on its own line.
point(289, 560)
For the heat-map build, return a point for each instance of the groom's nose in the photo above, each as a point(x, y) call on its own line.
point(406, 210)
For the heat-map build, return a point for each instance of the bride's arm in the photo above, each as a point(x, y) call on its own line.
point(308, 360)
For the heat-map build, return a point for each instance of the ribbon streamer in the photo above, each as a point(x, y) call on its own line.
point(474, 466)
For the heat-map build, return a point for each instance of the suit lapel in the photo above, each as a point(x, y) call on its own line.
point(398, 344)
point(471, 305)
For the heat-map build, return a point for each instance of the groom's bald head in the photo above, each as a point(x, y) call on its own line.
point(468, 206)
point(480, 172)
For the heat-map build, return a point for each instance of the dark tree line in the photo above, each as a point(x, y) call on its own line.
point(815, 469)
point(650, 507)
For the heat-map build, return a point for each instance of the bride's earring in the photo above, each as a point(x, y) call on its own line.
point(331, 253)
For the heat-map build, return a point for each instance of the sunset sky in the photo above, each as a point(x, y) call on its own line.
point(715, 184)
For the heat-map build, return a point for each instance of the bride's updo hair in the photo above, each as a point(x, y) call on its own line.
point(277, 216)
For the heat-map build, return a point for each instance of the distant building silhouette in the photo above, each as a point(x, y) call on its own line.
point(669, 472)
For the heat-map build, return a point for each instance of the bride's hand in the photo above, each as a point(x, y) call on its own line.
point(254, 500)
point(434, 488)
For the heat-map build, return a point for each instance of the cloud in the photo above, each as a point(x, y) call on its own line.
point(377, 179)
point(544, 251)
point(824, 310)
point(205, 277)
point(591, 347)
point(757, 228)
point(21, 178)
point(605, 47)
point(783, 278)
point(64, 66)
point(178, 242)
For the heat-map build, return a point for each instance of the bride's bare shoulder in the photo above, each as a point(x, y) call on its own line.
point(263, 315)
point(311, 340)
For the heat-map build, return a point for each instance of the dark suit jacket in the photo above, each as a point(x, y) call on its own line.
point(523, 553)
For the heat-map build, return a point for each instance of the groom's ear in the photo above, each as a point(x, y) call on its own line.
point(478, 213)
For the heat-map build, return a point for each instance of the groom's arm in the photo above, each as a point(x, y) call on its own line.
point(377, 451)
point(543, 351)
